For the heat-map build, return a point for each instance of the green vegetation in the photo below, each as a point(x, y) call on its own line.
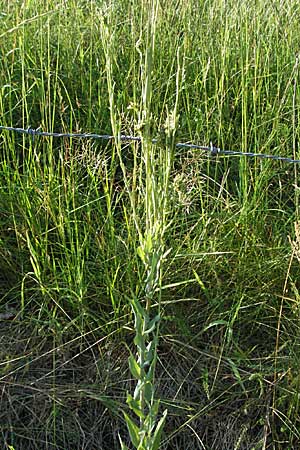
point(139, 278)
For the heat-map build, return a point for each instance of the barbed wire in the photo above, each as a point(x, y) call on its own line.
point(214, 151)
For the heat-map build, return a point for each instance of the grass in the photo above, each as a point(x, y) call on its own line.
point(209, 244)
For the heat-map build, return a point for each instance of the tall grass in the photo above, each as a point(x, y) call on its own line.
point(100, 242)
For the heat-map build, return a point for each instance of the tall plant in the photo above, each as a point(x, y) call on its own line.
point(146, 435)
point(145, 432)
point(156, 160)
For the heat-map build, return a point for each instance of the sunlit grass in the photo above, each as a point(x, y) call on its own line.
point(76, 217)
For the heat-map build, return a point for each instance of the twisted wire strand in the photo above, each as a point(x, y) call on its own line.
point(214, 151)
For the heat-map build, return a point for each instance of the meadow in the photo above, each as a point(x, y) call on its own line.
point(133, 267)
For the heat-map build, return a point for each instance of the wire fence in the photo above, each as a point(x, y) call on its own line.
point(211, 149)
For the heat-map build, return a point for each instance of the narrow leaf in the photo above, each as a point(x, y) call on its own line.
point(148, 391)
point(135, 406)
point(141, 253)
point(237, 375)
point(152, 324)
point(150, 354)
point(137, 389)
point(158, 432)
point(123, 446)
point(139, 341)
point(215, 323)
point(134, 367)
point(133, 431)
point(137, 308)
